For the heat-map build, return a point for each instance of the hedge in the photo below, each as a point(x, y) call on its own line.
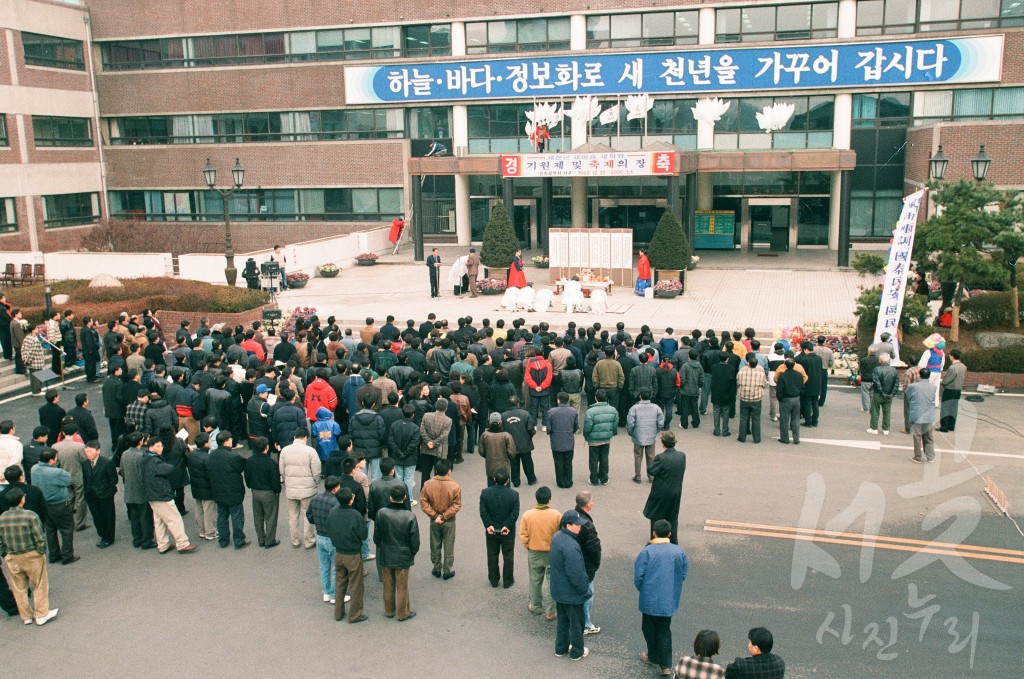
point(171, 294)
point(996, 360)
point(988, 310)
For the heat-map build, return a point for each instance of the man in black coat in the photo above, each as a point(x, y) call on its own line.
point(225, 470)
point(397, 536)
point(113, 408)
point(84, 419)
point(811, 363)
point(51, 415)
point(404, 446)
point(263, 477)
point(100, 480)
point(90, 339)
point(521, 425)
point(590, 543)
point(667, 469)
point(499, 510)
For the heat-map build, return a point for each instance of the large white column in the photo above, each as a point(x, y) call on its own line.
point(705, 190)
point(847, 27)
point(463, 219)
point(706, 26)
point(577, 32)
point(579, 203)
point(842, 123)
point(458, 38)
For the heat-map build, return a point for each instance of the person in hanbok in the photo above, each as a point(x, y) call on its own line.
point(643, 274)
point(526, 296)
point(510, 299)
point(458, 276)
point(572, 296)
point(934, 358)
point(598, 301)
point(516, 276)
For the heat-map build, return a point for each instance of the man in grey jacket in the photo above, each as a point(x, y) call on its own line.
point(300, 469)
point(140, 514)
point(563, 425)
point(921, 406)
point(885, 384)
point(952, 386)
point(691, 377)
point(643, 423)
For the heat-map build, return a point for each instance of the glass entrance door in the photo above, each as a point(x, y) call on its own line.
point(522, 219)
point(769, 227)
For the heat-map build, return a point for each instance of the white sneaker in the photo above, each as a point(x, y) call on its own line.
point(413, 503)
point(872, 431)
point(49, 616)
point(593, 629)
point(370, 557)
point(347, 598)
point(885, 432)
point(327, 597)
point(586, 652)
point(333, 601)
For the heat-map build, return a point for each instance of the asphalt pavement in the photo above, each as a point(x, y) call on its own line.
point(845, 605)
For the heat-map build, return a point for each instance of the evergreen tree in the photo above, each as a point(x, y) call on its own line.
point(500, 240)
point(669, 248)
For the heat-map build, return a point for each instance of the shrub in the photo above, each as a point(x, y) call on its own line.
point(669, 248)
point(500, 240)
point(988, 310)
point(915, 313)
point(997, 359)
point(169, 294)
point(866, 263)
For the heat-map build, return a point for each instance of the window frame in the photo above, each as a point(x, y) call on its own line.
point(8, 215)
point(776, 35)
point(4, 140)
point(60, 138)
point(916, 25)
point(51, 222)
point(641, 40)
point(76, 62)
point(515, 44)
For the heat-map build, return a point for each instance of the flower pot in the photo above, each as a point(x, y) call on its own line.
point(329, 274)
point(543, 265)
point(301, 283)
point(660, 294)
point(366, 262)
point(490, 291)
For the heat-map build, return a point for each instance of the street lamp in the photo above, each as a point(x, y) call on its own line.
point(937, 165)
point(237, 177)
point(980, 163)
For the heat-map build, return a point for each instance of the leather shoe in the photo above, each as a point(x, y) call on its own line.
point(81, 528)
point(271, 545)
point(436, 572)
point(244, 544)
point(361, 618)
point(509, 584)
point(449, 575)
point(70, 560)
point(412, 614)
point(148, 545)
point(187, 550)
point(102, 544)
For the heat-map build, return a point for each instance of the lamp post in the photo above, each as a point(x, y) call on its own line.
point(48, 296)
point(938, 163)
point(237, 176)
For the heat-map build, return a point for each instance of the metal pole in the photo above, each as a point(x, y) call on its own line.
point(417, 217)
point(845, 195)
point(230, 272)
point(48, 295)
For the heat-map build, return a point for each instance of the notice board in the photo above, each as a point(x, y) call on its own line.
point(714, 230)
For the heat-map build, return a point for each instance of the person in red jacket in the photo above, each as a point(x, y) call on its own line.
point(320, 394)
point(538, 374)
point(253, 347)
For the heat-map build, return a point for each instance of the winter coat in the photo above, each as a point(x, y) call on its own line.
point(499, 507)
point(324, 433)
point(397, 536)
point(691, 377)
point(403, 442)
point(131, 472)
point(600, 424)
point(569, 581)
point(199, 473)
point(608, 374)
point(644, 376)
point(498, 396)
point(643, 422)
point(498, 449)
point(435, 428)
point(175, 455)
point(160, 420)
point(668, 470)
point(256, 412)
point(366, 428)
point(285, 421)
point(155, 474)
point(521, 426)
point(659, 572)
point(112, 406)
point(300, 469)
point(590, 543)
point(886, 382)
point(538, 374)
point(723, 384)
point(319, 394)
point(563, 423)
point(225, 468)
point(668, 381)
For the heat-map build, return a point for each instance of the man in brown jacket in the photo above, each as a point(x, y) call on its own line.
point(441, 500)
point(496, 447)
point(535, 531)
point(608, 375)
point(434, 429)
point(472, 270)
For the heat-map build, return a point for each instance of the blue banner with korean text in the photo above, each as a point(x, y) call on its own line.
point(692, 71)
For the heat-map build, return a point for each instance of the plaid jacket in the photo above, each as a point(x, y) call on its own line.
point(698, 668)
point(21, 532)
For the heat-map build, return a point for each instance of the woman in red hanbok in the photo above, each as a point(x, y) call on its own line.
point(643, 274)
point(516, 276)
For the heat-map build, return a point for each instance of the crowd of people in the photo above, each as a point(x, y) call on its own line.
point(339, 420)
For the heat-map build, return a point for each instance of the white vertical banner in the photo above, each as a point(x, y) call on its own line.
point(894, 288)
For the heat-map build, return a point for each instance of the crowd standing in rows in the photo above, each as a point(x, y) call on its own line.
point(340, 420)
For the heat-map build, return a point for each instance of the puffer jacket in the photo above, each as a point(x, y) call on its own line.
point(285, 421)
point(325, 432)
point(367, 430)
point(644, 421)
point(644, 376)
point(600, 424)
point(300, 469)
point(691, 375)
point(160, 420)
point(668, 381)
point(199, 475)
point(155, 475)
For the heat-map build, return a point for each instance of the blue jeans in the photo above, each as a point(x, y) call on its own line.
point(705, 394)
point(237, 517)
point(365, 551)
point(373, 469)
point(407, 475)
point(325, 552)
point(587, 605)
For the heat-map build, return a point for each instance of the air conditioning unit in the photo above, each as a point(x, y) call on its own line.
point(461, 151)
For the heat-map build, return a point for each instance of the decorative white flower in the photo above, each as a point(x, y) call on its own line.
point(775, 117)
point(710, 110)
point(584, 109)
point(545, 114)
point(637, 106)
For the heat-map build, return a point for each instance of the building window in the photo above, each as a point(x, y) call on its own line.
point(257, 205)
point(517, 35)
point(777, 22)
point(59, 131)
point(650, 29)
point(71, 209)
point(47, 50)
point(809, 127)
point(670, 121)
point(500, 128)
point(236, 128)
point(8, 216)
point(881, 109)
point(377, 42)
point(3, 130)
point(878, 17)
point(1000, 103)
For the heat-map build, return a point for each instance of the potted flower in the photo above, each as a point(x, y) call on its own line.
point(297, 280)
point(329, 270)
point(694, 260)
point(668, 288)
point(491, 286)
point(366, 258)
point(540, 261)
